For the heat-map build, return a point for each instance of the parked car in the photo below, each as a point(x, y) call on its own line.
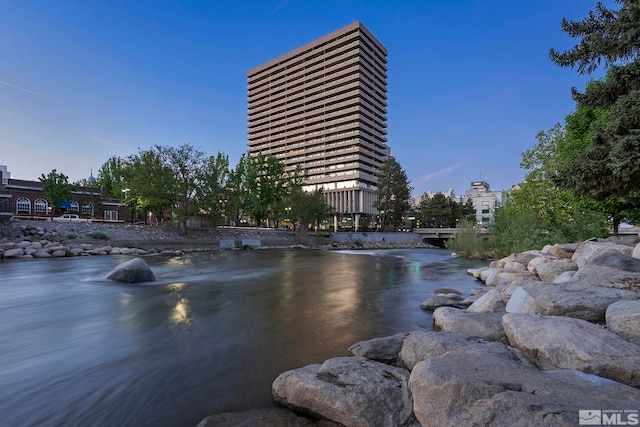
point(69, 218)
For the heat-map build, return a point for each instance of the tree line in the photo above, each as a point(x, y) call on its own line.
point(180, 183)
point(186, 183)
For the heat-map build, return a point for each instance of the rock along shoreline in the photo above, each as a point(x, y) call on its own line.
point(551, 337)
point(45, 239)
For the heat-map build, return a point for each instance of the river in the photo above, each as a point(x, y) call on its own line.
point(210, 335)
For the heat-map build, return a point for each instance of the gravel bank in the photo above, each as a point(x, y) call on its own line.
point(145, 236)
point(163, 238)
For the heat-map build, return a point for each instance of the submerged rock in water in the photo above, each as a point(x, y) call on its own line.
point(132, 271)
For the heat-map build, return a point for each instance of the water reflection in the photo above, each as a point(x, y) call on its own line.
point(209, 335)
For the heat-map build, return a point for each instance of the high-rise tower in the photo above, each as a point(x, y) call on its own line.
point(323, 106)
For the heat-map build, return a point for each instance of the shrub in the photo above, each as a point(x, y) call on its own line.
point(320, 238)
point(469, 242)
point(72, 236)
point(99, 235)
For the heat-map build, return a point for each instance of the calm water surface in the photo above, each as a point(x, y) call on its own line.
point(210, 335)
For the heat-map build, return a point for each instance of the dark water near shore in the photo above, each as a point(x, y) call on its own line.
point(209, 336)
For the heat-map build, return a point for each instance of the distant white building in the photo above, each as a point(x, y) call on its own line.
point(484, 201)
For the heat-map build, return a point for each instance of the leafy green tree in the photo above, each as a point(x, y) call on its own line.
point(606, 165)
point(307, 208)
point(211, 193)
point(538, 195)
point(56, 188)
point(186, 162)
point(394, 192)
point(236, 192)
point(111, 177)
point(266, 185)
point(150, 182)
point(579, 172)
point(540, 212)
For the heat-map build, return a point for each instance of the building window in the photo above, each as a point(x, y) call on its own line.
point(486, 219)
point(74, 207)
point(485, 203)
point(40, 206)
point(87, 209)
point(111, 215)
point(485, 211)
point(23, 206)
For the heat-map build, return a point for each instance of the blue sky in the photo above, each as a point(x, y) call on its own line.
point(470, 83)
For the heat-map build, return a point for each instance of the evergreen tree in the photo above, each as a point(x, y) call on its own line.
point(468, 212)
point(606, 165)
point(393, 193)
point(439, 211)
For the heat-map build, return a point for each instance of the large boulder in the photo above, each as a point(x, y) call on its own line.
point(419, 346)
point(384, 350)
point(508, 289)
point(133, 271)
point(512, 265)
point(273, 417)
point(581, 300)
point(352, 391)
point(589, 250)
point(608, 277)
point(623, 318)
point(13, 253)
point(500, 276)
point(564, 250)
point(629, 240)
point(522, 301)
point(617, 261)
point(564, 277)
point(489, 302)
point(548, 271)
point(489, 384)
point(558, 342)
point(483, 325)
point(636, 251)
point(537, 261)
point(432, 303)
point(523, 257)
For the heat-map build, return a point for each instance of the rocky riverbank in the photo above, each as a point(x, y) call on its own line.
point(45, 239)
point(552, 337)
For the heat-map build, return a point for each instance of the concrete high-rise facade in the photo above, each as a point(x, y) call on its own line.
point(323, 107)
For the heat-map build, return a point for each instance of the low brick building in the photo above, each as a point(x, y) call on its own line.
point(22, 198)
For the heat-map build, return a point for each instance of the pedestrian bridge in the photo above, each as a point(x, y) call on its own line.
point(438, 236)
